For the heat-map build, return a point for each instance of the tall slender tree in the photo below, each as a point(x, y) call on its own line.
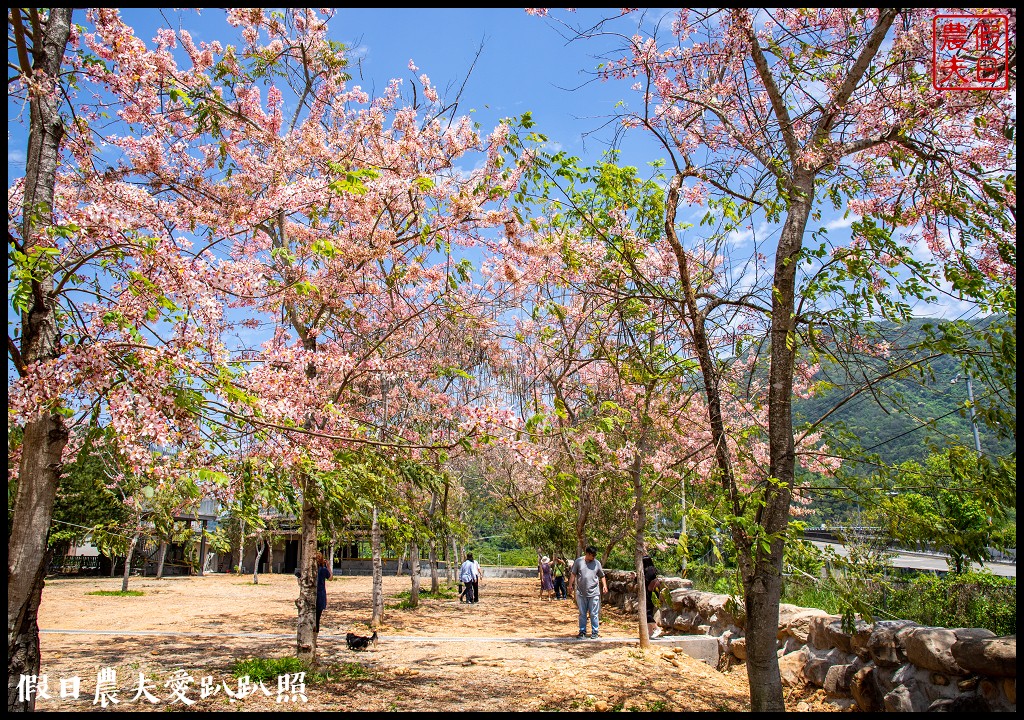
point(40, 39)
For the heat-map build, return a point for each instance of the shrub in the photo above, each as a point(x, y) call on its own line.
point(117, 593)
point(974, 599)
point(262, 669)
point(444, 592)
point(968, 600)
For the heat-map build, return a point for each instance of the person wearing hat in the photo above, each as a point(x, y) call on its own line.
point(547, 582)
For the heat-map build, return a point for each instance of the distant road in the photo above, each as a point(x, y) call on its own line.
point(926, 561)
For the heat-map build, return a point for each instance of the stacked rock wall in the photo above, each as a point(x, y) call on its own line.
point(890, 665)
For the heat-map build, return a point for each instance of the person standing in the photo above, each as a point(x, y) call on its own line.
point(469, 574)
point(651, 582)
point(587, 578)
point(558, 573)
point(323, 574)
point(547, 582)
point(479, 581)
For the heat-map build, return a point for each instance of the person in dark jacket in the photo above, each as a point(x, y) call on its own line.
point(651, 582)
point(323, 574)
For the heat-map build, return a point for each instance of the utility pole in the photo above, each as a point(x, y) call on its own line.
point(974, 417)
point(682, 536)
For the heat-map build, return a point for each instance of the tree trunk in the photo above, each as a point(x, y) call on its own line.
point(260, 545)
point(401, 561)
point(378, 572)
point(761, 595)
point(414, 573)
point(450, 561)
point(330, 556)
point(44, 437)
point(202, 547)
point(128, 561)
point(640, 514)
point(241, 547)
point(306, 634)
point(38, 477)
point(435, 580)
point(161, 556)
point(23, 658)
point(270, 554)
point(762, 572)
point(431, 544)
point(582, 513)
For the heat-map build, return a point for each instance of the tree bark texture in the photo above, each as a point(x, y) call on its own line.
point(414, 573)
point(23, 655)
point(640, 514)
point(762, 573)
point(306, 634)
point(435, 580)
point(260, 545)
point(44, 437)
point(160, 558)
point(240, 547)
point(432, 544)
point(401, 562)
point(128, 561)
point(378, 572)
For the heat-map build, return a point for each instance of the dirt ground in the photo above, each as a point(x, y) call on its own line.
point(511, 652)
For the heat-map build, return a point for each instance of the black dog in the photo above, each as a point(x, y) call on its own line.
point(360, 642)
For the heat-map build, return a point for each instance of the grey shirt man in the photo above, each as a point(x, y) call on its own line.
point(588, 577)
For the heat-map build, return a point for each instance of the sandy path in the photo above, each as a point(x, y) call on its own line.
point(442, 656)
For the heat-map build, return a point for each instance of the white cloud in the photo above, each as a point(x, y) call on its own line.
point(843, 222)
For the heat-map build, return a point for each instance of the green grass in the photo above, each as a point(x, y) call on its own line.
point(444, 592)
point(813, 597)
point(117, 593)
point(262, 669)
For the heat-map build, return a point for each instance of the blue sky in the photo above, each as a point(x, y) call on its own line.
point(525, 65)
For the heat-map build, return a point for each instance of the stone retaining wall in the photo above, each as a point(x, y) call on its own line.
point(890, 665)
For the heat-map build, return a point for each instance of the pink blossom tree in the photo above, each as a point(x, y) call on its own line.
point(618, 328)
point(774, 117)
point(200, 211)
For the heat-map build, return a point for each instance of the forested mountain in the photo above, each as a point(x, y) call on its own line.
point(904, 417)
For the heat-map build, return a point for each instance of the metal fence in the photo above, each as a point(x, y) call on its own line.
point(76, 565)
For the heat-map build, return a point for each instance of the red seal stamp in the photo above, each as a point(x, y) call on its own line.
point(970, 52)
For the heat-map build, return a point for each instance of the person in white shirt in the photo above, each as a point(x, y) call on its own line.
point(469, 575)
